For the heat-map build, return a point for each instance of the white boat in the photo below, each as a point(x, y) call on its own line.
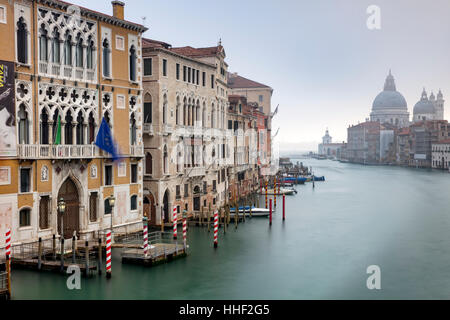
point(283, 190)
point(256, 212)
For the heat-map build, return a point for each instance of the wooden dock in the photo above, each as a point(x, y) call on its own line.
point(48, 265)
point(158, 253)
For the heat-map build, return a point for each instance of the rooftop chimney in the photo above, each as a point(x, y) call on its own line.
point(118, 9)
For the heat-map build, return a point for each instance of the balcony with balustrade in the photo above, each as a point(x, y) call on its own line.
point(37, 151)
point(148, 129)
point(195, 172)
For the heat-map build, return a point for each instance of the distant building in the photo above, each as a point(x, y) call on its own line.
point(363, 143)
point(402, 145)
point(423, 135)
point(440, 155)
point(328, 148)
point(429, 108)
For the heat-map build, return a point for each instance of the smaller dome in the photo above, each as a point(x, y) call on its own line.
point(424, 106)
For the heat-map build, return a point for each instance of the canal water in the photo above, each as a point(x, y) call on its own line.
point(395, 218)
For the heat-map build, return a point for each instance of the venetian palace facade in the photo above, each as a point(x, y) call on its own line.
point(79, 66)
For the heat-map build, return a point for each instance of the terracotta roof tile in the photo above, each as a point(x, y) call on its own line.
point(236, 82)
point(150, 43)
point(198, 52)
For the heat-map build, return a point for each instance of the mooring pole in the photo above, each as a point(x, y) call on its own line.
point(62, 254)
point(270, 212)
point(100, 255)
point(8, 275)
point(87, 258)
point(266, 193)
point(275, 192)
point(40, 254)
point(73, 249)
point(54, 247)
point(284, 207)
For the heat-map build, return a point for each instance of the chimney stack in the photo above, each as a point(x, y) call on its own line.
point(118, 9)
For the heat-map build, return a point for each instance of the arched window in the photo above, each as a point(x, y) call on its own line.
point(148, 108)
point(79, 52)
point(55, 47)
point(22, 41)
point(68, 129)
point(91, 128)
point(55, 124)
point(23, 125)
point(107, 119)
point(184, 111)
point(25, 218)
point(44, 211)
point(107, 207)
point(132, 130)
point(133, 63)
point(68, 50)
point(44, 127)
point(106, 62)
point(90, 54)
point(43, 44)
point(212, 117)
point(204, 115)
point(148, 164)
point(133, 202)
point(165, 160)
point(177, 112)
point(80, 129)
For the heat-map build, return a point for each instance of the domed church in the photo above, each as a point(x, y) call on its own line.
point(429, 108)
point(390, 106)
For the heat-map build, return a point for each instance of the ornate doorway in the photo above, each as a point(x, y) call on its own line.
point(71, 222)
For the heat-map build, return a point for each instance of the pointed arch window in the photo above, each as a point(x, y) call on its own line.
point(56, 58)
point(79, 53)
point(91, 128)
point(165, 110)
point(68, 129)
point(90, 54)
point(133, 129)
point(43, 44)
point(148, 164)
point(68, 50)
point(22, 41)
point(106, 55)
point(133, 63)
point(23, 125)
point(148, 108)
point(165, 160)
point(80, 129)
point(44, 127)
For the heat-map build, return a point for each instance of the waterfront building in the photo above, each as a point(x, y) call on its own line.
point(403, 145)
point(261, 94)
point(440, 155)
point(429, 108)
point(390, 106)
point(242, 127)
point(363, 142)
point(67, 69)
point(423, 135)
point(328, 148)
point(185, 103)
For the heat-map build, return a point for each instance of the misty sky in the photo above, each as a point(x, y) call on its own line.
point(322, 61)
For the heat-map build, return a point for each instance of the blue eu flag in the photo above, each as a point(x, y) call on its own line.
point(105, 140)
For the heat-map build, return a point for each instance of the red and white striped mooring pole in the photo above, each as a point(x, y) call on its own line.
point(216, 228)
point(108, 254)
point(8, 243)
point(284, 207)
point(184, 232)
point(175, 222)
point(145, 236)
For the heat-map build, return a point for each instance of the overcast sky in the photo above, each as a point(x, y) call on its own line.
point(322, 61)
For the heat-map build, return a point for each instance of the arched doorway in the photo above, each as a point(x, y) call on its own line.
point(71, 222)
point(166, 206)
point(150, 209)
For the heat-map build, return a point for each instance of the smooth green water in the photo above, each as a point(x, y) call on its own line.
point(396, 218)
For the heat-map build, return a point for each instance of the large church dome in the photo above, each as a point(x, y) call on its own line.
point(389, 98)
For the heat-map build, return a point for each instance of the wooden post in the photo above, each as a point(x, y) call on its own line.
point(243, 216)
point(100, 256)
point(201, 217)
point(275, 192)
point(73, 248)
point(236, 214)
point(40, 254)
point(270, 212)
point(8, 275)
point(284, 207)
point(62, 254)
point(87, 258)
point(224, 220)
point(250, 208)
point(54, 247)
point(209, 222)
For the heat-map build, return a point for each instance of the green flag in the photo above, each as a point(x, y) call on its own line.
point(57, 140)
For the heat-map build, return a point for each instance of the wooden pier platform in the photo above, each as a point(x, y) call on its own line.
point(158, 253)
point(48, 265)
